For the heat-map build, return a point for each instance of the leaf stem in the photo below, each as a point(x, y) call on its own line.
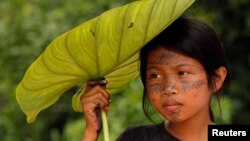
point(105, 125)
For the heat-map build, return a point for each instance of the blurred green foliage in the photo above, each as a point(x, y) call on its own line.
point(28, 26)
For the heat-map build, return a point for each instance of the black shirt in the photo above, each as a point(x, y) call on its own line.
point(147, 133)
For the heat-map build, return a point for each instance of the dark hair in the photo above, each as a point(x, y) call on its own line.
point(192, 38)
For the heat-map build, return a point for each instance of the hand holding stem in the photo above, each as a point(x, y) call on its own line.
point(94, 99)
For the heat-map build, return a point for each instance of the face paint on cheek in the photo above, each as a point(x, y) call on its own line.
point(154, 89)
point(192, 85)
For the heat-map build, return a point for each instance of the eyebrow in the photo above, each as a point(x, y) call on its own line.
point(174, 64)
point(154, 67)
point(181, 64)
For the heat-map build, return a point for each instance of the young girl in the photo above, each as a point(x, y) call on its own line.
point(180, 69)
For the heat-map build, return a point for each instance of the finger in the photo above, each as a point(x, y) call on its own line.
point(91, 83)
point(95, 102)
point(102, 91)
point(97, 89)
point(95, 93)
point(98, 99)
point(106, 109)
point(92, 103)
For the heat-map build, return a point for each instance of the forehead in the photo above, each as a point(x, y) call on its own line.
point(163, 56)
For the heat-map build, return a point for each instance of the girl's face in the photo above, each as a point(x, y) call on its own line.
point(177, 85)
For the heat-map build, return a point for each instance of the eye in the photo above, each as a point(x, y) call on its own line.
point(155, 76)
point(183, 73)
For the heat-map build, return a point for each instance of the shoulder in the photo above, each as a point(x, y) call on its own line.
point(141, 129)
point(154, 132)
point(135, 133)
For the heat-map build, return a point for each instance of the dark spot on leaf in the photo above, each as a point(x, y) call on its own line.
point(131, 25)
point(92, 32)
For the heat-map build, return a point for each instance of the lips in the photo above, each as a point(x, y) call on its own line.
point(171, 105)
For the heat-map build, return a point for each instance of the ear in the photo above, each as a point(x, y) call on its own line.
point(221, 75)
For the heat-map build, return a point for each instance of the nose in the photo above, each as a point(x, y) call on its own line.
point(170, 90)
point(170, 86)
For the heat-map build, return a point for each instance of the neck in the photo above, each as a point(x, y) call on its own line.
point(196, 126)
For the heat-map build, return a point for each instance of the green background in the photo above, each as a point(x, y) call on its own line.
point(28, 26)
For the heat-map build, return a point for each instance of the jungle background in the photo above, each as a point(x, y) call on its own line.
point(28, 26)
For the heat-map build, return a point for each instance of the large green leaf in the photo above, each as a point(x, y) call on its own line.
point(104, 47)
